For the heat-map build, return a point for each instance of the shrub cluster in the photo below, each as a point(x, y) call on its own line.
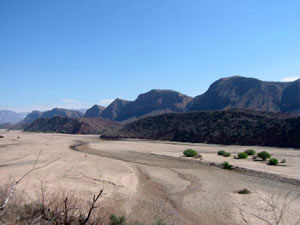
point(190, 153)
point(273, 162)
point(242, 155)
point(264, 155)
point(221, 152)
point(250, 152)
point(226, 165)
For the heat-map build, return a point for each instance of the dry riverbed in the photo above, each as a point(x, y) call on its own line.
point(141, 183)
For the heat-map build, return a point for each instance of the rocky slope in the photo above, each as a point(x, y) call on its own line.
point(62, 113)
point(218, 127)
point(249, 93)
point(154, 102)
point(71, 125)
point(94, 111)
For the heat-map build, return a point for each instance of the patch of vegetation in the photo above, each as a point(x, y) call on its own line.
point(264, 155)
point(244, 191)
point(250, 152)
point(273, 162)
point(221, 152)
point(226, 165)
point(1, 136)
point(227, 154)
point(242, 155)
point(190, 153)
point(116, 220)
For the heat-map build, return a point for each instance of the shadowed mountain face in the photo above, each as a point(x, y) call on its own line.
point(218, 127)
point(71, 125)
point(62, 113)
point(94, 111)
point(154, 102)
point(8, 116)
point(246, 93)
point(32, 116)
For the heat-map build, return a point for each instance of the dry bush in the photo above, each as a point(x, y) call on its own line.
point(277, 209)
point(52, 207)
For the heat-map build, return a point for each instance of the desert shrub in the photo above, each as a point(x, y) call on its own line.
point(273, 162)
point(250, 152)
point(190, 153)
point(227, 154)
point(1, 136)
point(264, 155)
point(115, 220)
point(226, 165)
point(242, 155)
point(244, 191)
point(221, 152)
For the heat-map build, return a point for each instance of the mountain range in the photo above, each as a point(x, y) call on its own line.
point(224, 94)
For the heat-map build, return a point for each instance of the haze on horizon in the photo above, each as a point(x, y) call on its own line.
point(73, 54)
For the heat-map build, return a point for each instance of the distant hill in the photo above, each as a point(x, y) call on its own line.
point(62, 113)
point(6, 126)
point(8, 116)
point(154, 102)
point(94, 111)
point(218, 127)
point(71, 125)
point(249, 93)
point(34, 115)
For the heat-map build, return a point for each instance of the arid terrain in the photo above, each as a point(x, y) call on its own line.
point(146, 180)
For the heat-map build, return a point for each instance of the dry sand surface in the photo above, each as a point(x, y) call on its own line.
point(140, 182)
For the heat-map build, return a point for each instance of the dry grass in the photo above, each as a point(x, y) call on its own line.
point(52, 207)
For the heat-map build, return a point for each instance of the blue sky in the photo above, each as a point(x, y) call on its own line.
point(76, 53)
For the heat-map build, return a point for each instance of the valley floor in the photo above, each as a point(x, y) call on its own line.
point(142, 184)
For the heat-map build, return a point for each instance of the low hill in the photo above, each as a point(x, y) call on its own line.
point(71, 125)
point(218, 127)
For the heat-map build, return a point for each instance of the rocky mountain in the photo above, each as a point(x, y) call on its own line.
point(71, 125)
point(116, 108)
point(32, 116)
point(62, 113)
point(154, 102)
point(8, 116)
point(236, 127)
point(249, 93)
point(94, 111)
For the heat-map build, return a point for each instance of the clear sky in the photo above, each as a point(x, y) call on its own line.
point(75, 53)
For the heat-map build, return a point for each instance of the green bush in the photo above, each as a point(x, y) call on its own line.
point(221, 152)
point(227, 154)
point(190, 153)
point(226, 165)
point(264, 155)
point(273, 162)
point(244, 191)
point(250, 152)
point(115, 220)
point(243, 155)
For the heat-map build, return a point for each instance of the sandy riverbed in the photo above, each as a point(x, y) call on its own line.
point(144, 185)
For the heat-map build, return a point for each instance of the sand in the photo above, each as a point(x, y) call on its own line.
point(143, 183)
